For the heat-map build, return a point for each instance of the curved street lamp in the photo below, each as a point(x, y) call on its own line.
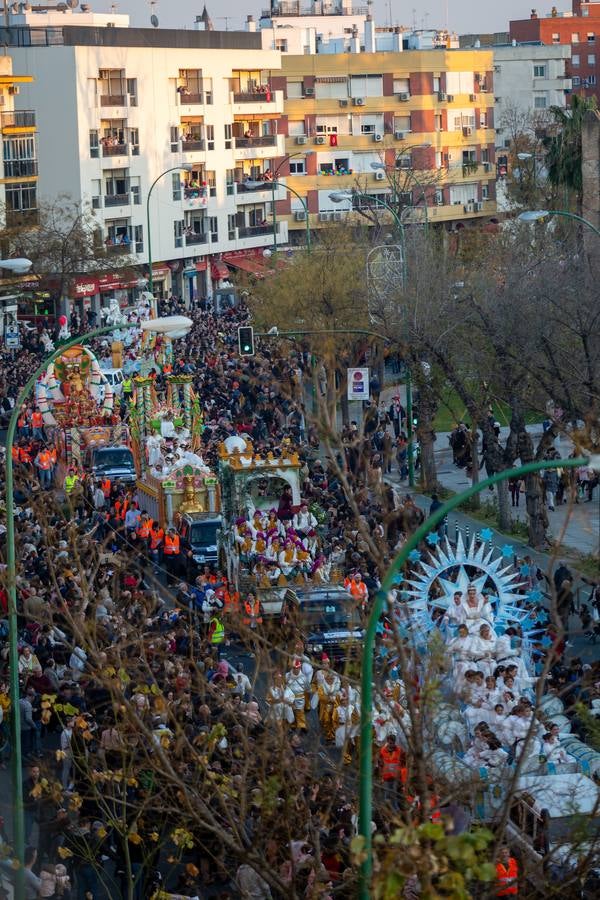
point(171, 326)
point(19, 265)
point(257, 185)
point(538, 215)
point(184, 167)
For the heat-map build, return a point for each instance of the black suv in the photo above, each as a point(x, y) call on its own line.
point(328, 619)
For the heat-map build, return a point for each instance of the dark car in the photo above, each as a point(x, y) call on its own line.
point(203, 536)
point(328, 620)
point(116, 463)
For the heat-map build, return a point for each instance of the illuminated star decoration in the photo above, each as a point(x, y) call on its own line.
point(433, 538)
point(546, 641)
point(535, 596)
point(486, 534)
point(525, 570)
point(414, 556)
point(507, 550)
point(454, 569)
point(398, 578)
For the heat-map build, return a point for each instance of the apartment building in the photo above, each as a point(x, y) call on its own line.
point(428, 112)
point(578, 27)
point(18, 194)
point(187, 115)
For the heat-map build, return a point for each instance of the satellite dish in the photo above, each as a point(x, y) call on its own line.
point(154, 20)
point(72, 4)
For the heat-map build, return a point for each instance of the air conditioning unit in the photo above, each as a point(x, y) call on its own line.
point(472, 97)
point(379, 176)
point(450, 98)
point(377, 138)
point(13, 90)
point(323, 217)
point(300, 216)
point(359, 101)
point(441, 96)
point(337, 217)
point(478, 206)
point(467, 131)
point(320, 139)
point(399, 135)
point(403, 97)
point(309, 92)
point(301, 139)
point(343, 103)
point(487, 167)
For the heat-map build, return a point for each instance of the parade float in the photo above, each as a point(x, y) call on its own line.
point(174, 483)
point(77, 406)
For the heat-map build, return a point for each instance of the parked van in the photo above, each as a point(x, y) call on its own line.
point(115, 378)
point(116, 463)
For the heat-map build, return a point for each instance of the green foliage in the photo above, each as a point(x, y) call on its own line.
point(563, 150)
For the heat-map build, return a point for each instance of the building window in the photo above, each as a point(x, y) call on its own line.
point(213, 227)
point(575, 60)
point(19, 157)
point(402, 123)
point(134, 140)
point(210, 137)
point(483, 120)
point(178, 233)
point(576, 80)
point(439, 197)
point(230, 181)
point(228, 136)
point(539, 71)
point(132, 91)
point(176, 185)
point(485, 192)
point(297, 167)
point(366, 85)
point(591, 80)
point(404, 161)
point(437, 84)
point(231, 222)
point(591, 37)
point(138, 237)
point(296, 127)
point(174, 131)
point(556, 38)
point(94, 144)
point(485, 155)
point(21, 198)
point(437, 120)
point(401, 86)
point(281, 44)
point(295, 90)
point(540, 101)
point(575, 37)
point(591, 59)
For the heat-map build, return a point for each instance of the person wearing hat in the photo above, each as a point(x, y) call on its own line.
point(299, 684)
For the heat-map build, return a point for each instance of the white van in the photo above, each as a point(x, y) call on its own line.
point(115, 378)
point(554, 820)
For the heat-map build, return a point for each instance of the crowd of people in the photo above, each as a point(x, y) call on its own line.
point(168, 745)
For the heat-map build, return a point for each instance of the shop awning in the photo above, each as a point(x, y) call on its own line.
point(251, 264)
point(202, 265)
point(218, 270)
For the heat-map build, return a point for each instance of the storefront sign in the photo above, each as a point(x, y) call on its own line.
point(12, 337)
point(358, 384)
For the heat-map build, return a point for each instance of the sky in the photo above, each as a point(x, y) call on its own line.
point(464, 16)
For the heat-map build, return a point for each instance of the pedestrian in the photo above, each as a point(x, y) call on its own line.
point(507, 874)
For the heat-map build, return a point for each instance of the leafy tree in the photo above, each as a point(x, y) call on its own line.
point(563, 149)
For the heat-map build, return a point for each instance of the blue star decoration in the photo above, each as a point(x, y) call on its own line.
point(414, 556)
point(507, 550)
point(546, 641)
point(398, 578)
point(486, 534)
point(535, 596)
point(525, 570)
point(543, 617)
point(433, 538)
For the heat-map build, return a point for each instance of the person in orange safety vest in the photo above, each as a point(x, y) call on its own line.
point(171, 554)
point(252, 612)
point(507, 874)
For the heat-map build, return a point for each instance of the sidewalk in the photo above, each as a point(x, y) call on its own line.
point(577, 526)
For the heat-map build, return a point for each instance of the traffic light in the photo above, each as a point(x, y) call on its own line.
point(246, 340)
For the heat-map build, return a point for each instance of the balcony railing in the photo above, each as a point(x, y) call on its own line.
point(21, 218)
point(23, 118)
point(20, 168)
point(196, 237)
point(112, 99)
point(117, 200)
point(254, 97)
point(192, 145)
point(114, 149)
point(241, 188)
point(255, 230)
point(265, 140)
point(118, 249)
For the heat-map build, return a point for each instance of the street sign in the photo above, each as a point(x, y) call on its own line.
point(358, 384)
point(12, 337)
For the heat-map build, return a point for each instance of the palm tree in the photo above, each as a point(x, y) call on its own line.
point(563, 149)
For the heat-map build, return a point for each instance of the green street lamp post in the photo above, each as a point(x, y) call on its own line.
point(179, 325)
point(537, 215)
point(366, 705)
point(274, 183)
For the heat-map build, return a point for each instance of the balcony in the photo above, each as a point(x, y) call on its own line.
point(20, 168)
point(266, 140)
point(117, 199)
point(112, 100)
point(260, 194)
point(192, 146)
point(114, 149)
point(196, 237)
point(255, 230)
point(245, 102)
point(118, 249)
point(21, 218)
point(24, 118)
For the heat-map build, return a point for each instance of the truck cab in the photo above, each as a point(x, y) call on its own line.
point(202, 533)
point(116, 463)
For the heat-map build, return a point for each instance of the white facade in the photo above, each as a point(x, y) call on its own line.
point(530, 78)
point(111, 119)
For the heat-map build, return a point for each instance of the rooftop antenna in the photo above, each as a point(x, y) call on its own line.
point(153, 16)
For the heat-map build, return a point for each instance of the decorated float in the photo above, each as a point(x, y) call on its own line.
point(77, 406)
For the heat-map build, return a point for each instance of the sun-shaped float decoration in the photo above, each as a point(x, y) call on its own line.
point(454, 568)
